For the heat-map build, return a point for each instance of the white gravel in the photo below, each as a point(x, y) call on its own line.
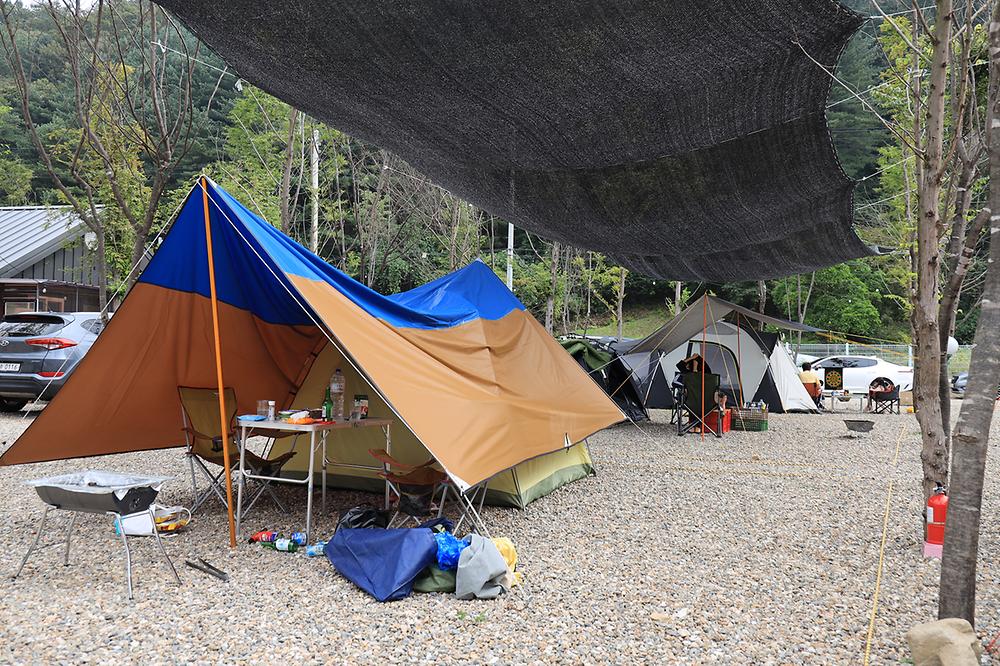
point(757, 548)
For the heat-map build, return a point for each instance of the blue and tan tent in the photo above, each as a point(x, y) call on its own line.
point(467, 374)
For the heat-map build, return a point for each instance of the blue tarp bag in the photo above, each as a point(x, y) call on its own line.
point(382, 562)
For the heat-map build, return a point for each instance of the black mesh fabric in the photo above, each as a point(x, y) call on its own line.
point(686, 139)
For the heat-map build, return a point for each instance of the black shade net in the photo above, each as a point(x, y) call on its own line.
point(685, 139)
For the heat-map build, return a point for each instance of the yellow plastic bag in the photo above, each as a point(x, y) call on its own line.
point(509, 553)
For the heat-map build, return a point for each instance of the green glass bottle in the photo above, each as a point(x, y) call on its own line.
point(327, 406)
point(283, 545)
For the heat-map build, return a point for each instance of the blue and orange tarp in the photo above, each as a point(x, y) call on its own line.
point(459, 360)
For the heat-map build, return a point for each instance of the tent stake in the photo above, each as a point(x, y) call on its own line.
point(218, 366)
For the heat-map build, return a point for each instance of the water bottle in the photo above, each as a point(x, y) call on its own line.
point(299, 538)
point(316, 549)
point(337, 386)
point(284, 545)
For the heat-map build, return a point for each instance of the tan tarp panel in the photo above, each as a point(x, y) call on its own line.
point(475, 382)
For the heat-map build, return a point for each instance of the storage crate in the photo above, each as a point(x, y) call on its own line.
point(752, 419)
point(712, 420)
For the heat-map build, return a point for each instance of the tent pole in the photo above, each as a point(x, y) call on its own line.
point(218, 366)
point(704, 353)
point(739, 359)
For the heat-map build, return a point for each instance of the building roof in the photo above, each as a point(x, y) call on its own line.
point(28, 234)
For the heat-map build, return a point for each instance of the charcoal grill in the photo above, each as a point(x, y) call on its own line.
point(118, 495)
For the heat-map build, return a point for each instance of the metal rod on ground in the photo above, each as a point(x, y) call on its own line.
point(218, 366)
point(314, 191)
point(510, 256)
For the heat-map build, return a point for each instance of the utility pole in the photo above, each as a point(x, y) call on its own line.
point(677, 298)
point(314, 191)
point(510, 256)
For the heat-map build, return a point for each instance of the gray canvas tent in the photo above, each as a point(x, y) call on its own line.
point(752, 365)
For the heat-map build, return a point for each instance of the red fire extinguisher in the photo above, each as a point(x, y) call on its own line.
point(937, 513)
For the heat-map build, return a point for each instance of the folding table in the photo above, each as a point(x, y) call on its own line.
point(317, 440)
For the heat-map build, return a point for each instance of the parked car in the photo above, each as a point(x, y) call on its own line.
point(39, 351)
point(961, 380)
point(860, 371)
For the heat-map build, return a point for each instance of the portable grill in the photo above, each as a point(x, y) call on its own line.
point(121, 496)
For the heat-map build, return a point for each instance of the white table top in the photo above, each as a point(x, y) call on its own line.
point(311, 427)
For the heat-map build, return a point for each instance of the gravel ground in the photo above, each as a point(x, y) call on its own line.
point(757, 548)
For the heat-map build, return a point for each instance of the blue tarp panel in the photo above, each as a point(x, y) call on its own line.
point(257, 280)
point(381, 562)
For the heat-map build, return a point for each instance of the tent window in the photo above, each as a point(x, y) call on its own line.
point(721, 360)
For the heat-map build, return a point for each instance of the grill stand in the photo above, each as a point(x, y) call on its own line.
point(121, 530)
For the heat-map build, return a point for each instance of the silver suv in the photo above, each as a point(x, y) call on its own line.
point(39, 351)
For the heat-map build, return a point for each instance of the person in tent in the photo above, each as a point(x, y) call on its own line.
point(694, 363)
point(812, 382)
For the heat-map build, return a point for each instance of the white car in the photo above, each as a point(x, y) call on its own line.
point(860, 371)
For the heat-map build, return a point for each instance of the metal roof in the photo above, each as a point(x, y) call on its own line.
point(28, 234)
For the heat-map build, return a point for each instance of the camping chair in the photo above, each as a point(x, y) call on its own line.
point(677, 395)
point(698, 401)
point(884, 402)
point(815, 392)
point(416, 486)
point(203, 436)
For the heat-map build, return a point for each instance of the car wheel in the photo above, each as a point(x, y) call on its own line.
point(7, 405)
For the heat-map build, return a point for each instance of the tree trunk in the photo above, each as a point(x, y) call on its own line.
point(621, 301)
point(970, 441)
point(550, 302)
point(102, 272)
point(285, 196)
point(761, 300)
point(926, 400)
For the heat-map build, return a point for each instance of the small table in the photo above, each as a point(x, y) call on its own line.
point(836, 396)
point(247, 427)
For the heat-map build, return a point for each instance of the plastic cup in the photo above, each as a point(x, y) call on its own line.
point(262, 408)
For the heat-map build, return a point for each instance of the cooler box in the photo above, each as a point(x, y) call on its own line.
point(712, 420)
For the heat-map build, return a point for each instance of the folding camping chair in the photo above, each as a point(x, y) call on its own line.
point(698, 402)
point(884, 402)
point(416, 487)
point(677, 395)
point(815, 392)
point(203, 436)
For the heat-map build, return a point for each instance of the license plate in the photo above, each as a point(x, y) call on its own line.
point(10, 367)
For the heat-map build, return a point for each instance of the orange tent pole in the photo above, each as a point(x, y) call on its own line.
point(704, 351)
point(739, 359)
point(218, 366)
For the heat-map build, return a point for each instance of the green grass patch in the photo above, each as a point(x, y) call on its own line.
point(639, 322)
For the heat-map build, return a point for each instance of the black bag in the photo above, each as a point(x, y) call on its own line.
point(364, 515)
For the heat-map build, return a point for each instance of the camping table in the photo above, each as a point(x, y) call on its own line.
point(835, 397)
point(247, 427)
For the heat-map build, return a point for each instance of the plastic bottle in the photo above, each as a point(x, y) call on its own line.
point(316, 549)
point(327, 406)
point(337, 386)
point(284, 545)
point(265, 536)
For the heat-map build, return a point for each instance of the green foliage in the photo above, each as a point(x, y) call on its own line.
point(842, 301)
